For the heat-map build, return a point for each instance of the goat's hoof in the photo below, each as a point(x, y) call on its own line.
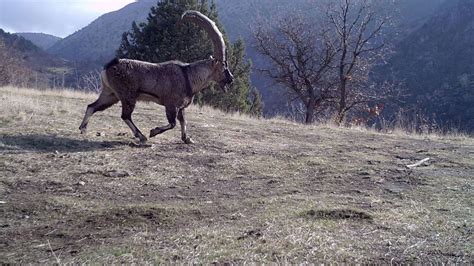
point(155, 132)
point(142, 138)
point(83, 130)
point(188, 140)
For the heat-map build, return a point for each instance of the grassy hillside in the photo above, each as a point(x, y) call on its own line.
point(247, 191)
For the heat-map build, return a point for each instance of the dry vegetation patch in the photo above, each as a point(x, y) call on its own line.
point(248, 191)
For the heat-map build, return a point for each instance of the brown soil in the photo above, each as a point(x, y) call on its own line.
point(247, 191)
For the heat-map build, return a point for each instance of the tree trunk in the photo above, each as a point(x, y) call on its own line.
point(341, 113)
point(342, 92)
point(340, 117)
point(310, 112)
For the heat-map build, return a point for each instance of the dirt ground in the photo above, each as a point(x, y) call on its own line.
point(248, 190)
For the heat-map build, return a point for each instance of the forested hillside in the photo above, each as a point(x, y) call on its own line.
point(436, 62)
point(44, 41)
point(25, 64)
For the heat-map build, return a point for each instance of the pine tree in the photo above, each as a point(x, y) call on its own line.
point(240, 96)
point(163, 38)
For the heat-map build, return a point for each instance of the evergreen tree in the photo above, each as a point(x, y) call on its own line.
point(240, 96)
point(163, 37)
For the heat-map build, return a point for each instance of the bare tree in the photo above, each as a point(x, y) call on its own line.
point(326, 64)
point(92, 81)
point(358, 27)
point(301, 56)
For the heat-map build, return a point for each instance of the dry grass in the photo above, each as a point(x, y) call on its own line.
point(248, 191)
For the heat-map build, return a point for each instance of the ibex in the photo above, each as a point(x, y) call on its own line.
point(172, 84)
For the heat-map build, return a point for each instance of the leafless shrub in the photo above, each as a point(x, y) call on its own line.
point(91, 81)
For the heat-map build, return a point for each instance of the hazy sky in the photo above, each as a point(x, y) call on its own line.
point(56, 17)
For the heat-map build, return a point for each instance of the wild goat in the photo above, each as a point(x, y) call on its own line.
point(172, 84)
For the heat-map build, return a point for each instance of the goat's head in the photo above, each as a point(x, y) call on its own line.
point(222, 74)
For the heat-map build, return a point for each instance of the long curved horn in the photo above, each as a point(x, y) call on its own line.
point(211, 28)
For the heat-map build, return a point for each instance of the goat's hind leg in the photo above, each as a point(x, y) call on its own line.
point(171, 116)
point(182, 121)
point(127, 110)
point(105, 100)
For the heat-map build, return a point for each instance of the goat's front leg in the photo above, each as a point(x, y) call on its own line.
point(127, 110)
point(171, 116)
point(182, 121)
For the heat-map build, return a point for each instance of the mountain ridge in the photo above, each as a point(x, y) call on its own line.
point(40, 39)
point(100, 39)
